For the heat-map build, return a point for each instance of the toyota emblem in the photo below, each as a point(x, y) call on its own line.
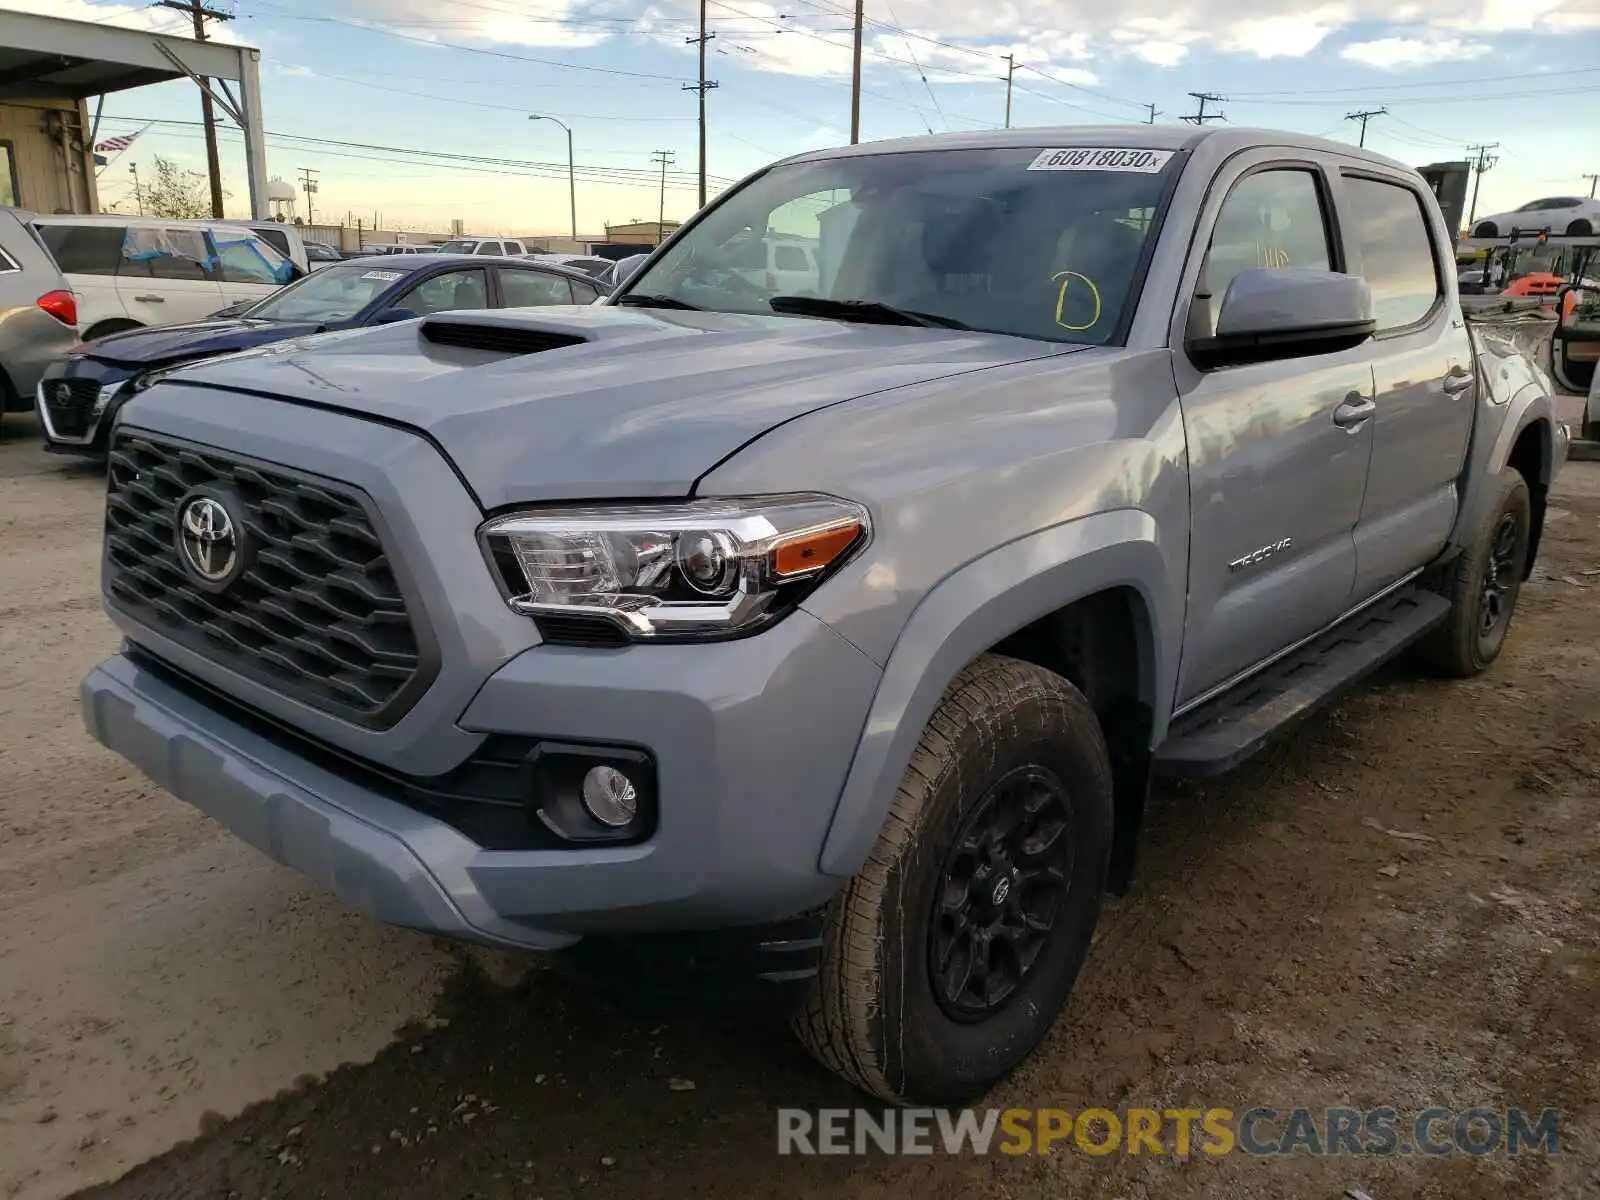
point(208, 540)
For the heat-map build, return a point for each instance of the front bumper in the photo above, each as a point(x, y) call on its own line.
point(75, 423)
point(751, 747)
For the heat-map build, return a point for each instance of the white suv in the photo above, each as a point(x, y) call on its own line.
point(128, 272)
point(511, 246)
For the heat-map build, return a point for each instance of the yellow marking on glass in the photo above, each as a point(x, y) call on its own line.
point(1065, 278)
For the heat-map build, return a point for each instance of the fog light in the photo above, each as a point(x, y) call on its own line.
point(610, 797)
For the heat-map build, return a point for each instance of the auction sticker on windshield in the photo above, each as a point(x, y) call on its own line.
point(386, 276)
point(1102, 158)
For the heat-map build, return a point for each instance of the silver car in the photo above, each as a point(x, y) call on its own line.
point(38, 312)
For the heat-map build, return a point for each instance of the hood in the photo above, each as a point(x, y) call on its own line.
point(630, 403)
point(168, 343)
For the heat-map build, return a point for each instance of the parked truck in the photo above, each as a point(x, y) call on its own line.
point(816, 653)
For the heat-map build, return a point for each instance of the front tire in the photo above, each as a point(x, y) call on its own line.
point(1482, 586)
point(947, 958)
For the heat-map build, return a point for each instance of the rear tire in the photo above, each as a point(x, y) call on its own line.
point(1486, 229)
point(1580, 228)
point(1482, 586)
point(947, 958)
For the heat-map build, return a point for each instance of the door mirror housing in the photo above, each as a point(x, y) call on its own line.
point(1271, 313)
point(390, 316)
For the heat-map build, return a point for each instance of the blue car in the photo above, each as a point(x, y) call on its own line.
point(77, 397)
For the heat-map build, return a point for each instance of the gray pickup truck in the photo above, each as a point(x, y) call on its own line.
point(811, 647)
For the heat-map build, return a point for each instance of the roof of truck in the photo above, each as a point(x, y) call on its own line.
point(1132, 137)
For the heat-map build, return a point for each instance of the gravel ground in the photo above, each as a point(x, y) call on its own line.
point(1400, 906)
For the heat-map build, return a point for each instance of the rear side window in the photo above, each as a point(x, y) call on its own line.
point(527, 289)
point(1386, 222)
point(84, 249)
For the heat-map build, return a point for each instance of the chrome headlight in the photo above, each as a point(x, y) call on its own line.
point(701, 569)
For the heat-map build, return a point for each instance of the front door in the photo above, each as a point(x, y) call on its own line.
point(1425, 385)
point(1277, 465)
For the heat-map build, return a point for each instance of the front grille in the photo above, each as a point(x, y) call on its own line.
point(71, 414)
point(318, 615)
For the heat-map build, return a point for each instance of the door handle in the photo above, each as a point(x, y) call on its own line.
point(1457, 382)
point(152, 299)
point(1355, 411)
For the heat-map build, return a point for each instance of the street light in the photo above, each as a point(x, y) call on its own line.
point(572, 170)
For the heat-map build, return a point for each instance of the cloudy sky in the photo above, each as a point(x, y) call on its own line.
point(403, 83)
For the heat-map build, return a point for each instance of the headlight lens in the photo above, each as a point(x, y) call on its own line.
point(702, 569)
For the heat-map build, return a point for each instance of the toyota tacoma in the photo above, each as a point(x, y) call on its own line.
point(813, 643)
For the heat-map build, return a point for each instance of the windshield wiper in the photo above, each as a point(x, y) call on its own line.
point(647, 300)
point(871, 311)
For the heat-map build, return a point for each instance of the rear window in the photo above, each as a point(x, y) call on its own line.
point(276, 238)
point(84, 249)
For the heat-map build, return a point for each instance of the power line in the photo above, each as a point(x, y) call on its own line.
point(1201, 116)
point(664, 157)
point(200, 14)
point(1485, 160)
point(701, 89)
point(1364, 117)
point(1432, 83)
point(917, 66)
point(309, 183)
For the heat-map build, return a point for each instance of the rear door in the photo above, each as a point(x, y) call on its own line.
point(1426, 388)
point(168, 275)
point(89, 257)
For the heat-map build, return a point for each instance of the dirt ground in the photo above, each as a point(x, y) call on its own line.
point(1283, 945)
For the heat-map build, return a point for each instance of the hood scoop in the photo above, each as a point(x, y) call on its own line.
point(495, 338)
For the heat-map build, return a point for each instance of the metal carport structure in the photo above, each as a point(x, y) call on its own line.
point(53, 59)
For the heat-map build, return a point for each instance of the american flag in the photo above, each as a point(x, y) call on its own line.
point(112, 145)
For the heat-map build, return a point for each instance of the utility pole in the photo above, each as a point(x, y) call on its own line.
point(1011, 71)
point(664, 157)
point(1484, 161)
point(208, 116)
point(1151, 120)
point(704, 86)
point(855, 76)
point(1594, 182)
point(138, 195)
point(1364, 117)
point(310, 186)
point(1201, 116)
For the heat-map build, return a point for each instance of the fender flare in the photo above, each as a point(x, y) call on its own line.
point(969, 611)
point(1490, 454)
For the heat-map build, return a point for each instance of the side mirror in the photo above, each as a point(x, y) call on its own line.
point(626, 268)
point(1270, 313)
point(390, 316)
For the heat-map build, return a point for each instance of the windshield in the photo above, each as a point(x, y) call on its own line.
point(1040, 243)
point(331, 294)
point(459, 246)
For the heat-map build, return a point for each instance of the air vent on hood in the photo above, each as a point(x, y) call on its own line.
point(501, 339)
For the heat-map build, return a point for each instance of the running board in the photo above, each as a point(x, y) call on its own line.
point(1222, 733)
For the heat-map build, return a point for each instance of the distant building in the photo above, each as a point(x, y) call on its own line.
point(641, 233)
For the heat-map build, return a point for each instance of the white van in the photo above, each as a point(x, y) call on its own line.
point(779, 264)
point(128, 272)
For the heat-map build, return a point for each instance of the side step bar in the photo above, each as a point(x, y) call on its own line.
point(1224, 732)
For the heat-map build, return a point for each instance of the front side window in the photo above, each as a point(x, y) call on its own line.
point(1034, 242)
point(458, 246)
point(334, 293)
point(247, 259)
point(582, 293)
point(1386, 223)
point(488, 248)
point(1270, 219)
point(526, 289)
point(447, 292)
